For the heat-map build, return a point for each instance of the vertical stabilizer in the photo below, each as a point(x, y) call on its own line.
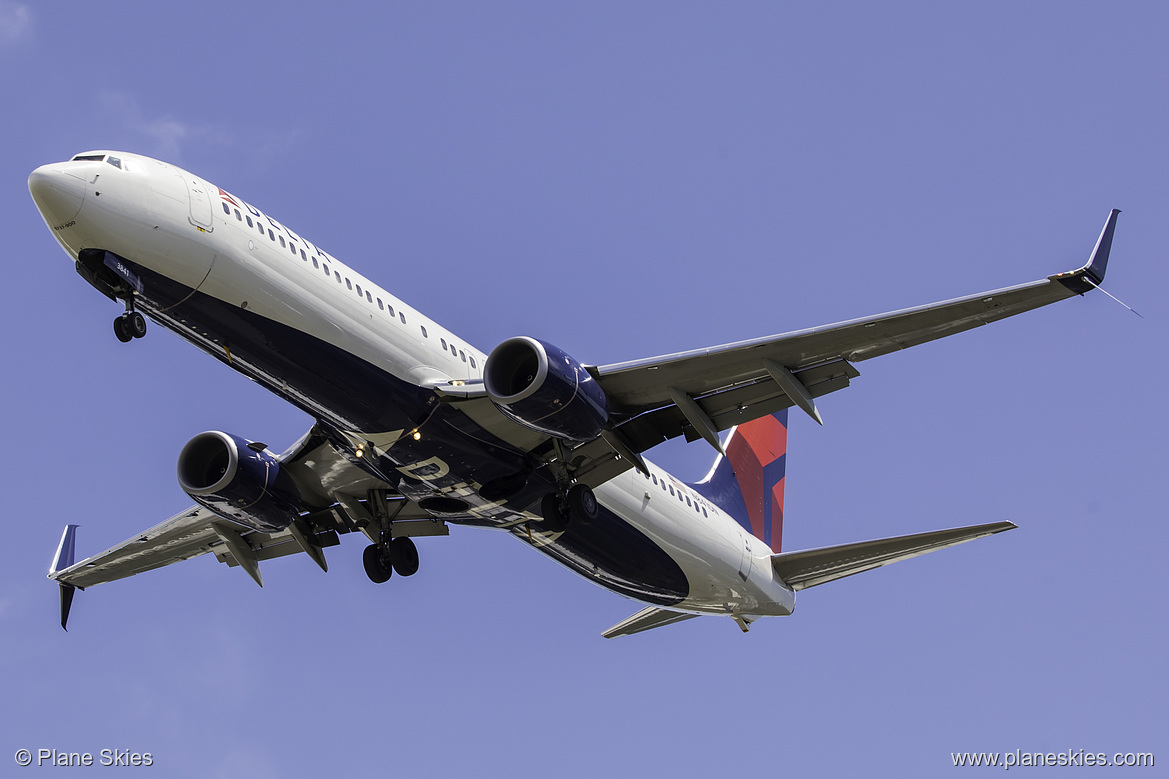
point(748, 483)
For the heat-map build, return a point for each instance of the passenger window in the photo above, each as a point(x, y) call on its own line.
point(704, 512)
point(272, 236)
point(260, 227)
point(282, 244)
point(443, 343)
point(326, 268)
point(358, 290)
point(303, 257)
point(687, 501)
point(472, 362)
point(655, 479)
point(226, 210)
point(424, 335)
point(671, 489)
point(462, 355)
point(337, 274)
point(380, 306)
point(368, 297)
point(390, 309)
point(348, 283)
point(402, 316)
point(238, 216)
point(249, 221)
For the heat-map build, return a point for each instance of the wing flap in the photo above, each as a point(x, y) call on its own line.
point(812, 567)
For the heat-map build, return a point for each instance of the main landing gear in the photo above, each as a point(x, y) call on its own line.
point(579, 504)
point(381, 560)
point(130, 325)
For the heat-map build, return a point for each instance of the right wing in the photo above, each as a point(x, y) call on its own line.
point(330, 482)
point(811, 567)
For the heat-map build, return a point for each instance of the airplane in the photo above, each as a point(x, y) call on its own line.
point(416, 430)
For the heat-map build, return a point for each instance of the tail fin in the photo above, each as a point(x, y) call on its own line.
point(748, 483)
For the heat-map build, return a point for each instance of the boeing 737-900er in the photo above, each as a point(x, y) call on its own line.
point(416, 430)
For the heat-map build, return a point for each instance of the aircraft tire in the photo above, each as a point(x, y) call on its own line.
point(582, 504)
point(554, 519)
point(377, 567)
point(404, 556)
point(121, 331)
point(135, 324)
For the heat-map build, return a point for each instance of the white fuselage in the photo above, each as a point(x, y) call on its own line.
point(194, 234)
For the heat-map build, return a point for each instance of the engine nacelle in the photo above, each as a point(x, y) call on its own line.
point(541, 387)
point(224, 474)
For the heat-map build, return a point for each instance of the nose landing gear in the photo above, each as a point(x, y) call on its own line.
point(130, 325)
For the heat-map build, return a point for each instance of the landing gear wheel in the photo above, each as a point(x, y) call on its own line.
point(554, 519)
point(582, 504)
point(120, 330)
point(377, 564)
point(404, 556)
point(135, 324)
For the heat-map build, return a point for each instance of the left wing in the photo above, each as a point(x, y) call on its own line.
point(701, 392)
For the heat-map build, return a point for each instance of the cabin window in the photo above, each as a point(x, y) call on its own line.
point(226, 210)
point(390, 309)
point(424, 335)
point(358, 290)
point(282, 244)
point(443, 343)
point(462, 355)
point(303, 257)
point(380, 306)
point(687, 501)
point(655, 480)
point(315, 265)
point(337, 273)
point(260, 227)
point(402, 316)
point(704, 512)
point(472, 362)
point(348, 283)
point(249, 221)
point(326, 268)
point(238, 216)
point(368, 297)
point(671, 489)
point(272, 237)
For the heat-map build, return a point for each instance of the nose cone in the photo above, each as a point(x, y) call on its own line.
point(57, 192)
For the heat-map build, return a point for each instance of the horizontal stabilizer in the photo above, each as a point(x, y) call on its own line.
point(816, 566)
point(646, 619)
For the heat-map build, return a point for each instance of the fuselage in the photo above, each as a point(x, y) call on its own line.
point(272, 305)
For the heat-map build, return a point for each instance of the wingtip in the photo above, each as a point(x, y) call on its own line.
point(1098, 264)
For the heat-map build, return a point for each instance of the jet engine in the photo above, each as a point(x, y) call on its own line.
point(542, 388)
point(238, 480)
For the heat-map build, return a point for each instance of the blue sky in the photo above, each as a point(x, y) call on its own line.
point(622, 180)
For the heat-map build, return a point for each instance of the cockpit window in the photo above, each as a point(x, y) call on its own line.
point(117, 163)
point(88, 158)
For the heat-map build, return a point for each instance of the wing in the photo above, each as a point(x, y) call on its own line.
point(339, 491)
point(698, 393)
point(816, 566)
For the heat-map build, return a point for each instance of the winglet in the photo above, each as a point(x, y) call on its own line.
point(1091, 275)
point(62, 560)
point(65, 550)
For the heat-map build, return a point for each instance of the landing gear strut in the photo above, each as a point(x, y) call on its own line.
point(382, 560)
